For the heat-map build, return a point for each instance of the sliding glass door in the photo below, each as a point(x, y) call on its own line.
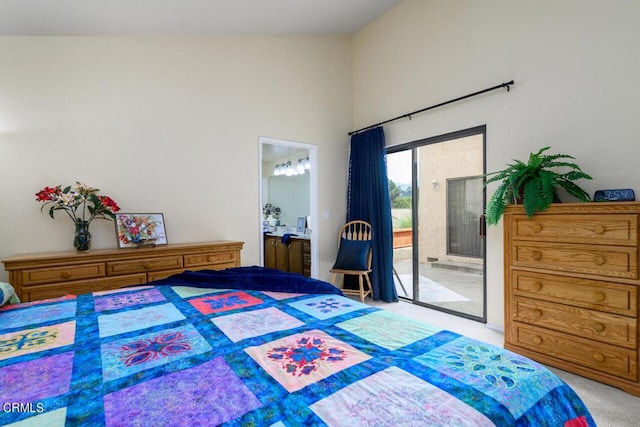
point(437, 199)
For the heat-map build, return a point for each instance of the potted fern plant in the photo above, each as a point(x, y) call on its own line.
point(534, 184)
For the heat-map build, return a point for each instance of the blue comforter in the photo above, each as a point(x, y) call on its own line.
point(253, 278)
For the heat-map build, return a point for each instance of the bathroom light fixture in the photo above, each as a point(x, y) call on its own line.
point(300, 167)
point(282, 169)
point(304, 164)
point(289, 169)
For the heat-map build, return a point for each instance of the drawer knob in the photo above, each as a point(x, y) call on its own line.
point(599, 296)
point(537, 313)
point(537, 286)
point(537, 228)
point(598, 327)
point(65, 274)
point(599, 229)
point(147, 265)
point(537, 340)
point(598, 357)
point(536, 255)
point(599, 260)
point(211, 258)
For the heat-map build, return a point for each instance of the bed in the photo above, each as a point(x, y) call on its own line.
point(254, 346)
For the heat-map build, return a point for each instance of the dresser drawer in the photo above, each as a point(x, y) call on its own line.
point(608, 261)
point(152, 276)
point(38, 292)
point(595, 325)
point(604, 358)
point(615, 229)
point(221, 266)
point(216, 266)
point(143, 264)
point(62, 274)
point(208, 258)
point(594, 294)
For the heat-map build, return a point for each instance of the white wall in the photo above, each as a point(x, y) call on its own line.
point(167, 125)
point(575, 65)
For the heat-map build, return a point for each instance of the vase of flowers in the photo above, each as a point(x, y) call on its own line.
point(82, 205)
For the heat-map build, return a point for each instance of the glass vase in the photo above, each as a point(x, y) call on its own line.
point(82, 238)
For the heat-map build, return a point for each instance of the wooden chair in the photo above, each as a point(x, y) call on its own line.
point(354, 256)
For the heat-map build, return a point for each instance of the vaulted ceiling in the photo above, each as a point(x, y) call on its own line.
point(186, 17)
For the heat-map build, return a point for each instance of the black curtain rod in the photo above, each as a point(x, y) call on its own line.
point(503, 85)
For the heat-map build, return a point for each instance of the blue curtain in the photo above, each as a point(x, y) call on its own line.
point(368, 200)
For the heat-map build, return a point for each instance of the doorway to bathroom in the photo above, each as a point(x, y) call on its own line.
point(288, 195)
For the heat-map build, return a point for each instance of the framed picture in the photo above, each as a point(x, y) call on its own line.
point(301, 224)
point(134, 230)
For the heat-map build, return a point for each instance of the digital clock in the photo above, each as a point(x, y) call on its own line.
point(619, 195)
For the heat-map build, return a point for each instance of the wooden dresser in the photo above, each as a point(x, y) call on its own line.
point(49, 275)
point(571, 289)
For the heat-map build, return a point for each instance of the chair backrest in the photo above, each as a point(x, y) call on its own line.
point(357, 230)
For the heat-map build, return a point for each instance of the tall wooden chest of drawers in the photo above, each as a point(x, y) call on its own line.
point(54, 274)
point(571, 289)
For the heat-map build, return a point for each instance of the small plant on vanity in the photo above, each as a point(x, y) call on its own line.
point(273, 211)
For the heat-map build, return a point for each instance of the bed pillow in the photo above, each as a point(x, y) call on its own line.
point(352, 255)
point(7, 294)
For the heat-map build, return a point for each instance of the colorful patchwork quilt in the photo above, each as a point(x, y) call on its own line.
point(187, 352)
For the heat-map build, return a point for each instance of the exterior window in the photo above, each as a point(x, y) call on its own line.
point(464, 212)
